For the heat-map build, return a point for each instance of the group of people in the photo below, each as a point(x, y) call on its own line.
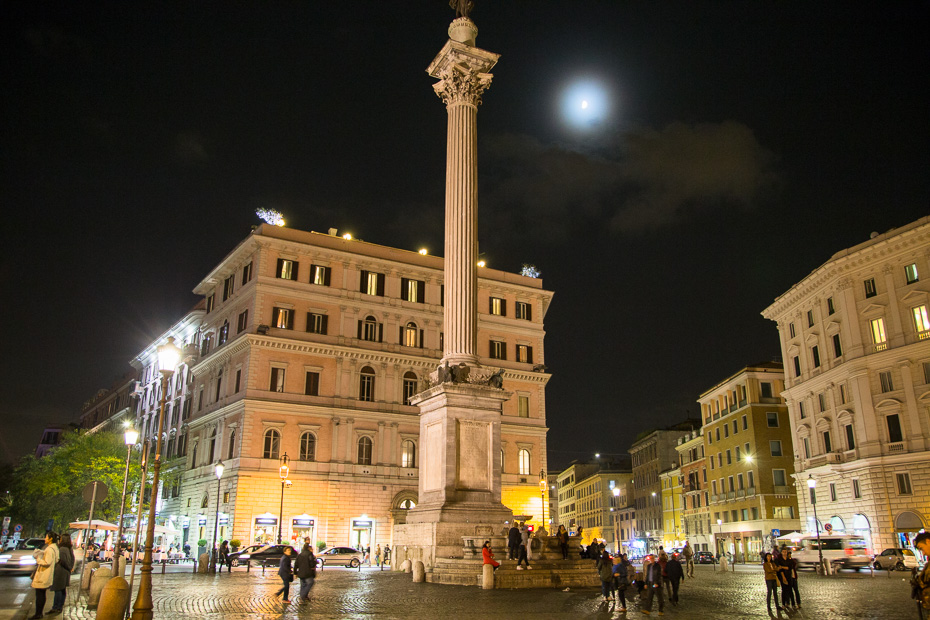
point(382, 557)
point(54, 565)
point(304, 567)
point(519, 547)
point(661, 578)
point(781, 570)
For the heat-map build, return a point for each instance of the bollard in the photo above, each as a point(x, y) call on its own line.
point(406, 566)
point(113, 600)
point(195, 564)
point(204, 564)
point(88, 573)
point(487, 577)
point(119, 566)
point(419, 572)
point(99, 579)
point(248, 566)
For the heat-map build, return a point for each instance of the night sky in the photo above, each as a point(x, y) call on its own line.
point(730, 149)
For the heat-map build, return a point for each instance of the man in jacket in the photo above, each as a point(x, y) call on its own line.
point(652, 575)
point(688, 552)
point(305, 567)
point(675, 573)
point(513, 541)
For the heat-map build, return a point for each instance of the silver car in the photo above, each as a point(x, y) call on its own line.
point(895, 559)
point(347, 556)
point(20, 560)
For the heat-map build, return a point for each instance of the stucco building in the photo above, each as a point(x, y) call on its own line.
point(695, 498)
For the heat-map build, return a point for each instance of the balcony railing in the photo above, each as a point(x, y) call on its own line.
point(741, 493)
point(731, 495)
point(894, 448)
point(713, 498)
point(751, 491)
point(784, 490)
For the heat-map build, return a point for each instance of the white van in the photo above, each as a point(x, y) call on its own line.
point(844, 549)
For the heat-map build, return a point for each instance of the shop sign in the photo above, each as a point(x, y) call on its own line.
point(185, 523)
point(201, 520)
point(266, 520)
point(302, 522)
point(361, 524)
point(224, 519)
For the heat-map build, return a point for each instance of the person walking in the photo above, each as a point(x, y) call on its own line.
point(675, 574)
point(770, 568)
point(387, 554)
point(224, 555)
point(44, 577)
point(688, 553)
point(513, 541)
point(562, 536)
point(63, 570)
point(523, 557)
point(623, 577)
point(605, 569)
point(286, 575)
point(305, 567)
point(663, 562)
point(652, 575)
point(525, 540)
point(488, 555)
point(378, 555)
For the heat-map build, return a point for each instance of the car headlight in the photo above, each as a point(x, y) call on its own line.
point(27, 560)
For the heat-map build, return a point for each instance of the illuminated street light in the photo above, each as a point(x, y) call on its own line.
point(283, 471)
point(812, 485)
point(130, 436)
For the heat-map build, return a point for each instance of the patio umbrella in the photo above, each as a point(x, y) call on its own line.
point(98, 525)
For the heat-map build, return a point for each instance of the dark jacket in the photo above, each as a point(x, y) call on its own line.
point(605, 568)
point(653, 575)
point(284, 568)
point(513, 537)
point(673, 569)
point(305, 565)
point(63, 570)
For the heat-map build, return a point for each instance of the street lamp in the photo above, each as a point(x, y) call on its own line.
point(168, 357)
point(812, 485)
point(719, 548)
point(130, 435)
point(283, 471)
point(616, 492)
point(543, 487)
point(216, 523)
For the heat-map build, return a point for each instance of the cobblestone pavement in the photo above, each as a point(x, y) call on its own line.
point(352, 594)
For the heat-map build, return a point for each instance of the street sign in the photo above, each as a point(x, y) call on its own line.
point(18, 528)
point(88, 493)
point(776, 533)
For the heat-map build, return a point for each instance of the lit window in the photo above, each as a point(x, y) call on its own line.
point(410, 386)
point(921, 322)
point(366, 384)
point(412, 290)
point(308, 446)
point(277, 380)
point(372, 283)
point(272, 444)
point(364, 451)
point(410, 335)
point(524, 354)
point(523, 458)
point(286, 269)
point(224, 333)
point(282, 318)
point(523, 406)
point(498, 306)
point(877, 327)
point(524, 311)
point(910, 273)
point(408, 454)
point(319, 275)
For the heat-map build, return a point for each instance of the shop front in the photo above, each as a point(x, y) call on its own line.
point(265, 529)
point(906, 526)
point(303, 527)
point(223, 525)
point(362, 532)
point(201, 527)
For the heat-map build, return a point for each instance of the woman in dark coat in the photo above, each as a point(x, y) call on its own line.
point(62, 573)
point(284, 572)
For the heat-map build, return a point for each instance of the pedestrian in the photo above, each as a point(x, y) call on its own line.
point(63, 570)
point(688, 553)
point(783, 568)
point(224, 555)
point(488, 555)
point(562, 537)
point(523, 557)
point(305, 567)
point(378, 555)
point(624, 574)
point(525, 540)
point(286, 575)
point(513, 541)
point(605, 569)
point(675, 574)
point(663, 562)
point(770, 568)
point(920, 582)
point(792, 576)
point(652, 575)
point(44, 576)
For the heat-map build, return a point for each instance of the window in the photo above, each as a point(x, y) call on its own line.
point(408, 453)
point(231, 451)
point(752, 480)
point(370, 330)
point(205, 344)
point(791, 331)
point(870, 288)
point(312, 383)
point(238, 381)
point(831, 308)
point(886, 381)
point(272, 444)
point(739, 481)
point(277, 380)
point(242, 322)
point(307, 446)
point(523, 406)
point(779, 478)
point(366, 384)
point(219, 385)
point(810, 318)
point(224, 334)
point(926, 366)
point(766, 389)
point(827, 444)
point(713, 484)
point(832, 491)
point(317, 323)
point(894, 428)
point(410, 336)
point(921, 322)
point(717, 433)
point(524, 311)
point(246, 274)
point(229, 286)
point(523, 458)
point(371, 283)
point(877, 327)
point(815, 356)
point(729, 458)
point(210, 302)
point(837, 346)
point(910, 273)
point(807, 447)
point(775, 448)
point(287, 269)
point(282, 318)
point(850, 437)
point(319, 275)
point(904, 483)
point(771, 419)
point(364, 450)
point(497, 350)
point(857, 492)
point(498, 306)
point(524, 354)
point(797, 366)
point(822, 402)
point(410, 386)
point(730, 482)
point(745, 422)
point(412, 290)
point(726, 431)
point(212, 451)
point(783, 512)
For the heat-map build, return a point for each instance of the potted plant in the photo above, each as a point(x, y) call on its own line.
point(320, 545)
point(201, 546)
point(234, 544)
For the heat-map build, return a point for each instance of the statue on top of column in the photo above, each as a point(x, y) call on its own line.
point(462, 7)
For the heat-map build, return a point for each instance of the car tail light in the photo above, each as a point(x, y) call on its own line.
point(849, 551)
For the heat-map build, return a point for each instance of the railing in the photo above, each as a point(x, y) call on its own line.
point(731, 495)
point(751, 491)
point(834, 457)
point(741, 493)
point(784, 490)
point(881, 346)
point(713, 498)
point(894, 448)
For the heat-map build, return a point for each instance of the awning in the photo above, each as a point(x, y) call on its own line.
point(97, 525)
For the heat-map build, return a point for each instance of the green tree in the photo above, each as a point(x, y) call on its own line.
point(50, 488)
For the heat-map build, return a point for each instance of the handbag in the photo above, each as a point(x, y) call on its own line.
point(292, 577)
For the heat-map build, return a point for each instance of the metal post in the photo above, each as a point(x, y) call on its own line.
point(122, 502)
point(216, 526)
point(87, 543)
point(281, 514)
point(135, 540)
point(817, 526)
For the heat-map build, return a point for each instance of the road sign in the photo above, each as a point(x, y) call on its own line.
point(88, 492)
point(776, 533)
point(18, 528)
point(4, 532)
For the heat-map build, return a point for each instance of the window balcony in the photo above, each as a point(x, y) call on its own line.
point(731, 495)
point(784, 490)
point(741, 493)
point(751, 491)
point(895, 448)
point(713, 499)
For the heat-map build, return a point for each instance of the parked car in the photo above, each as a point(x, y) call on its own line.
point(240, 557)
point(676, 553)
point(895, 559)
point(844, 549)
point(704, 557)
point(269, 555)
point(19, 559)
point(347, 556)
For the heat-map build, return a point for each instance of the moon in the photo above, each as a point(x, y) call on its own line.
point(584, 104)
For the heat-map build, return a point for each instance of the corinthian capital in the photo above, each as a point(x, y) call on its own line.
point(458, 84)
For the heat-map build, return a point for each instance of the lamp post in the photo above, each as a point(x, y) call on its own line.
point(168, 357)
point(543, 487)
point(283, 471)
point(812, 485)
point(130, 435)
point(719, 548)
point(616, 492)
point(216, 523)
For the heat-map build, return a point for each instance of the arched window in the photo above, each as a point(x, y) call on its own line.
point(524, 460)
point(366, 384)
point(308, 446)
point(232, 444)
point(364, 451)
point(410, 386)
point(370, 329)
point(212, 453)
point(411, 335)
point(408, 457)
point(272, 444)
